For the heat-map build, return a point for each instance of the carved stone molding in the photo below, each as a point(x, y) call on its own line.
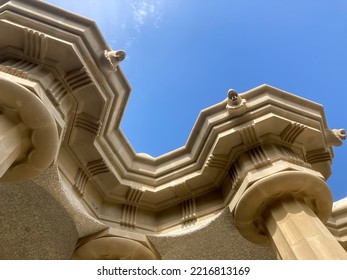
point(52, 88)
point(181, 190)
point(292, 131)
point(217, 161)
point(318, 156)
point(258, 157)
point(77, 79)
point(97, 167)
point(128, 215)
point(88, 123)
point(249, 136)
point(57, 91)
point(129, 209)
point(81, 180)
point(35, 44)
point(134, 195)
point(235, 176)
point(188, 211)
point(18, 67)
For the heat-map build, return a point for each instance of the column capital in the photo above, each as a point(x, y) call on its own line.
point(265, 193)
point(23, 111)
point(113, 248)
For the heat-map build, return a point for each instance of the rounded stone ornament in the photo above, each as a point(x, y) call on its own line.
point(27, 115)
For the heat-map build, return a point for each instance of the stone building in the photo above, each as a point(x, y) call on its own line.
point(248, 184)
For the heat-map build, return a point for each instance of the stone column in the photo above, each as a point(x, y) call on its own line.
point(28, 133)
point(287, 210)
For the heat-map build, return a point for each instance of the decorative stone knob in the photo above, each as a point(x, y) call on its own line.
point(115, 57)
point(234, 100)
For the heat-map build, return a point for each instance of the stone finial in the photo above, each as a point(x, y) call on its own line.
point(115, 57)
point(334, 137)
point(234, 100)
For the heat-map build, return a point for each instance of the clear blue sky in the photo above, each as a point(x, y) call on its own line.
point(183, 56)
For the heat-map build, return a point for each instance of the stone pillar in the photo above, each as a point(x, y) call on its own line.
point(28, 133)
point(297, 233)
point(287, 210)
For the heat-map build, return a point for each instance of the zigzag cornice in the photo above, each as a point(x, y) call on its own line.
point(112, 91)
point(210, 123)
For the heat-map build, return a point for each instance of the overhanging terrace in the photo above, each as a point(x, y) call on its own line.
point(73, 148)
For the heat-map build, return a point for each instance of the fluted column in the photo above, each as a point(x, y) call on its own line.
point(297, 233)
point(288, 210)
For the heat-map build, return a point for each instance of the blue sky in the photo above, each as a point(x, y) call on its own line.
point(183, 56)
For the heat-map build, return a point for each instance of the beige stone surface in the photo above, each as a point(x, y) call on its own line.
point(29, 135)
point(298, 234)
point(337, 223)
point(113, 248)
point(77, 83)
point(288, 209)
point(33, 225)
point(74, 146)
point(265, 193)
point(215, 239)
point(85, 224)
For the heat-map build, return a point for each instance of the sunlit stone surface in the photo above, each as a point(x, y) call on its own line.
point(250, 176)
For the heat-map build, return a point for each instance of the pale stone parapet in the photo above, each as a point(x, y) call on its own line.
point(29, 135)
point(288, 209)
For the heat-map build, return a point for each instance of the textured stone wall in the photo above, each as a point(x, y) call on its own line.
point(33, 224)
point(216, 239)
